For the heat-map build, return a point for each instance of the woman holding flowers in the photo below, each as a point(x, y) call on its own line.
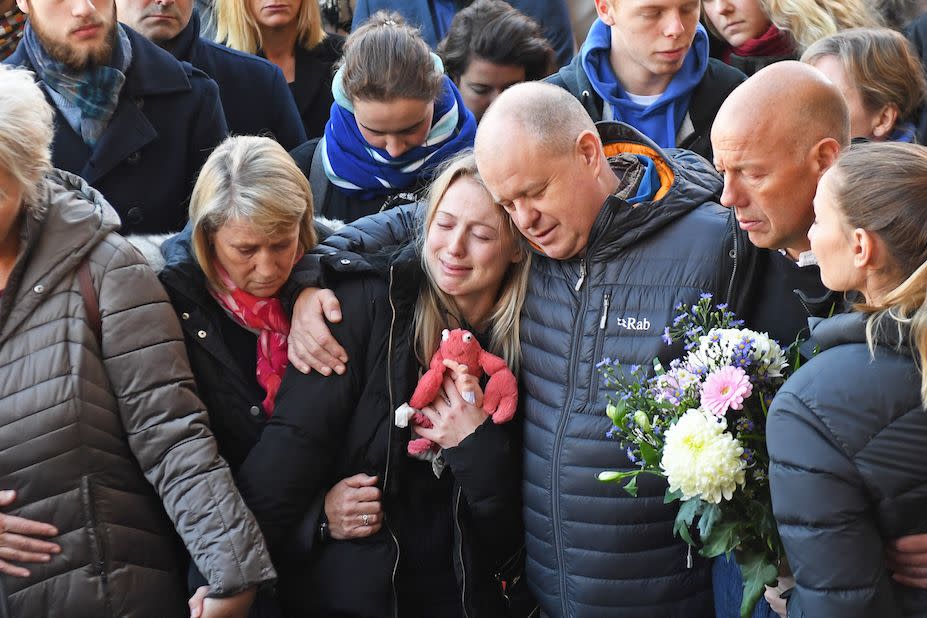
point(846, 432)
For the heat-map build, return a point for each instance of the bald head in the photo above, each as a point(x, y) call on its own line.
point(787, 103)
point(545, 114)
point(773, 139)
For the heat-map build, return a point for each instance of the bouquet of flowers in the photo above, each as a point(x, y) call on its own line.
point(701, 425)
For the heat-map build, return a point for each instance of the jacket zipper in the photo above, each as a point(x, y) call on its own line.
point(389, 439)
point(558, 437)
point(463, 567)
point(730, 285)
point(582, 276)
point(604, 319)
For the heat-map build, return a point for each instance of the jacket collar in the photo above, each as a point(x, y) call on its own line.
point(183, 44)
point(848, 328)
point(686, 181)
point(153, 72)
point(74, 220)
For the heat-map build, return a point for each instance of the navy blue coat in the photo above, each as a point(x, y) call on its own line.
point(168, 120)
point(254, 93)
point(552, 15)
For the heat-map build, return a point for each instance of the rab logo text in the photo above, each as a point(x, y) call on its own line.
point(634, 323)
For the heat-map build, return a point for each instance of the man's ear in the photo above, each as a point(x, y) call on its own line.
point(589, 148)
point(884, 121)
point(23, 6)
point(603, 9)
point(824, 154)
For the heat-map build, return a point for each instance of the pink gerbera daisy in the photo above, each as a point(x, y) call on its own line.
point(725, 388)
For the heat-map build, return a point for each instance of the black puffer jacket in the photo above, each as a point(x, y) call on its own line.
point(718, 82)
point(846, 438)
point(592, 549)
point(326, 429)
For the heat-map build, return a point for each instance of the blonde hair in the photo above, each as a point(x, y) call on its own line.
point(434, 309)
point(251, 179)
point(26, 133)
point(880, 62)
point(387, 59)
point(237, 27)
point(808, 21)
point(882, 188)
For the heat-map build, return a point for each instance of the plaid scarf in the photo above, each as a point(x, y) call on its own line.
point(93, 91)
point(11, 31)
point(267, 318)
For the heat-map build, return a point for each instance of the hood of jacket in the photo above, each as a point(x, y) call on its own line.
point(71, 220)
point(684, 181)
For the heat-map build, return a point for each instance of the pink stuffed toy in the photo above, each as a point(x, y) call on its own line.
point(460, 346)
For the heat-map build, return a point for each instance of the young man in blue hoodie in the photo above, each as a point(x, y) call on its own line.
point(645, 63)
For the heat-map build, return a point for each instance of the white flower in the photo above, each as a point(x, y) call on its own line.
point(721, 346)
point(701, 459)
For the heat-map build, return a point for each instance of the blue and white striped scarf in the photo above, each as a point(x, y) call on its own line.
point(360, 170)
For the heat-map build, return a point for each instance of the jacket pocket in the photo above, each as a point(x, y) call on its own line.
point(95, 541)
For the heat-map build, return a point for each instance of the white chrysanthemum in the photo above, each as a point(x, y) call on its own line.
point(701, 459)
point(719, 347)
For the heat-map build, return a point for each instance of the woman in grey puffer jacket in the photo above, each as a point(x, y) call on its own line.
point(847, 433)
point(102, 434)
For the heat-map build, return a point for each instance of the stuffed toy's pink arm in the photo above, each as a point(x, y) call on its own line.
point(428, 385)
point(501, 397)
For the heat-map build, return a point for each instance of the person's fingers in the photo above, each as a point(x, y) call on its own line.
point(432, 414)
point(450, 390)
point(458, 368)
point(196, 601)
point(331, 308)
point(16, 542)
point(13, 570)
point(361, 532)
point(360, 480)
point(915, 543)
point(899, 559)
point(365, 495)
point(7, 497)
point(911, 582)
point(21, 525)
point(432, 433)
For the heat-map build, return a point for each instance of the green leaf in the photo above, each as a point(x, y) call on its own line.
point(650, 455)
point(631, 487)
point(710, 515)
point(722, 539)
point(671, 496)
point(758, 572)
point(688, 509)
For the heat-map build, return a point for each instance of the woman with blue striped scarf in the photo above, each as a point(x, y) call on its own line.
point(396, 116)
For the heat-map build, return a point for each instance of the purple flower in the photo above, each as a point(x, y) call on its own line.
point(705, 296)
point(667, 338)
point(630, 455)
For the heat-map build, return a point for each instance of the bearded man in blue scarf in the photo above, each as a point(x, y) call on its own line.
point(645, 63)
point(134, 122)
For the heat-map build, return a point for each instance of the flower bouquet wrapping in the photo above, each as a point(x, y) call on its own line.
point(701, 425)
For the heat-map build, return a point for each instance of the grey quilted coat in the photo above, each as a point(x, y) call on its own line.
point(109, 442)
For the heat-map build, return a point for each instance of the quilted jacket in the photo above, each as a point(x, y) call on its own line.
point(106, 439)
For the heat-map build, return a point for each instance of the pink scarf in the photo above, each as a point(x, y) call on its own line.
point(265, 315)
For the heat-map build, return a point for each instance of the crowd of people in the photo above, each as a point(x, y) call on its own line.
point(237, 237)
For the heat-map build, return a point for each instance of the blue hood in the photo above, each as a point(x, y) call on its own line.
point(661, 120)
